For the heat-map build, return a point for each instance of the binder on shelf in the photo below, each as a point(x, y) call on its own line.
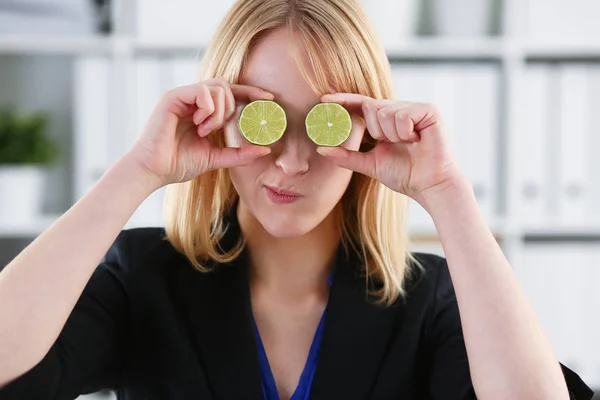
point(593, 214)
point(413, 83)
point(541, 279)
point(185, 20)
point(591, 331)
point(477, 135)
point(92, 119)
point(43, 17)
point(463, 18)
point(561, 282)
point(573, 145)
point(148, 86)
point(181, 71)
point(532, 147)
point(446, 89)
point(395, 21)
point(577, 19)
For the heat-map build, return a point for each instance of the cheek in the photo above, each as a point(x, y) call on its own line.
point(333, 180)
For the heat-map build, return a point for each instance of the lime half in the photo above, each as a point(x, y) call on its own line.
point(262, 122)
point(328, 124)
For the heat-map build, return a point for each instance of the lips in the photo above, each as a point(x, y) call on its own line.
point(281, 196)
point(282, 192)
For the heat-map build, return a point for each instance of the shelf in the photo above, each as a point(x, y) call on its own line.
point(560, 232)
point(412, 49)
point(25, 44)
point(27, 230)
point(478, 49)
point(553, 51)
point(427, 232)
point(167, 46)
point(418, 48)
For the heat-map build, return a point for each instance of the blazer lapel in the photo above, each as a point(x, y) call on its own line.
point(219, 313)
point(355, 338)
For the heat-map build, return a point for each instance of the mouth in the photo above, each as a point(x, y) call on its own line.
point(280, 196)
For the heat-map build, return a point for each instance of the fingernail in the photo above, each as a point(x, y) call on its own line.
point(325, 151)
point(262, 151)
point(205, 131)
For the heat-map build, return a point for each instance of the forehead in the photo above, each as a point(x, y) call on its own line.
point(272, 66)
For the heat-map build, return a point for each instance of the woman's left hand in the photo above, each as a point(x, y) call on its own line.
point(412, 155)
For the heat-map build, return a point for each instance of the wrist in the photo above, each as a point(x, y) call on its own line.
point(134, 173)
point(450, 194)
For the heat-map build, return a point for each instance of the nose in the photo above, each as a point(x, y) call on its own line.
point(292, 152)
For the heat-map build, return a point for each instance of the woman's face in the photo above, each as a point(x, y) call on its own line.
point(293, 165)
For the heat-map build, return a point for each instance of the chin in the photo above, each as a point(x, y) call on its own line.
point(287, 224)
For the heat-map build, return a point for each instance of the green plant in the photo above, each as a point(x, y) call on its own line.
point(24, 138)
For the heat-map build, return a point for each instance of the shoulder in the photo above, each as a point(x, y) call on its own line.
point(428, 287)
point(428, 272)
point(141, 249)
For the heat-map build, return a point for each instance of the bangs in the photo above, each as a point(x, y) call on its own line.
point(332, 61)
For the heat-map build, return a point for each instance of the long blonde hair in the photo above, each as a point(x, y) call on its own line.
point(346, 56)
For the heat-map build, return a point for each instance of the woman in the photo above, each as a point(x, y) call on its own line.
point(285, 272)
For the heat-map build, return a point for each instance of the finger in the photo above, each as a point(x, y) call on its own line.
point(363, 163)
point(424, 116)
point(397, 125)
point(215, 121)
point(185, 100)
point(385, 116)
point(204, 105)
point(365, 106)
point(229, 98)
point(245, 93)
point(370, 110)
point(230, 157)
point(405, 127)
point(354, 102)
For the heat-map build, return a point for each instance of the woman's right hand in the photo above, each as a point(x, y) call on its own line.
point(173, 146)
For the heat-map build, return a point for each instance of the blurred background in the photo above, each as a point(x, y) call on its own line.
point(517, 81)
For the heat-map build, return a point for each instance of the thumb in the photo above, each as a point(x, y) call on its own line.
point(229, 157)
point(363, 163)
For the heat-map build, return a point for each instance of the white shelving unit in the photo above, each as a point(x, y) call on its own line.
point(511, 53)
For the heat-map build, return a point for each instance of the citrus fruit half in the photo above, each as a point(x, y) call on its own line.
point(262, 122)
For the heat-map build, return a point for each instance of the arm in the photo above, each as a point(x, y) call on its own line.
point(509, 354)
point(40, 287)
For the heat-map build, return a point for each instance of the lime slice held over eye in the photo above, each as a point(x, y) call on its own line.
point(262, 122)
point(328, 124)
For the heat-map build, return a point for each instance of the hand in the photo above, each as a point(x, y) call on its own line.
point(411, 156)
point(174, 147)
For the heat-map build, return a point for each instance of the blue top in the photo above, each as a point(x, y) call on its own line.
point(302, 391)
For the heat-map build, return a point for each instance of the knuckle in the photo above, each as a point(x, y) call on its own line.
point(401, 117)
point(369, 106)
point(168, 96)
point(383, 113)
point(432, 108)
point(209, 106)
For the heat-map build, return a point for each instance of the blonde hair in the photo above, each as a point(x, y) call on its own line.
point(346, 56)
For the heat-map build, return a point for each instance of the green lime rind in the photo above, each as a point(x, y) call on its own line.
point(328, 124)
point(262, 122)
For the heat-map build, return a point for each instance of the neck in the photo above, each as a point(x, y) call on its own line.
point(290, 266)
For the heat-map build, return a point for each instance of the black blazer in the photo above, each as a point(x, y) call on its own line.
point(150, 326)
